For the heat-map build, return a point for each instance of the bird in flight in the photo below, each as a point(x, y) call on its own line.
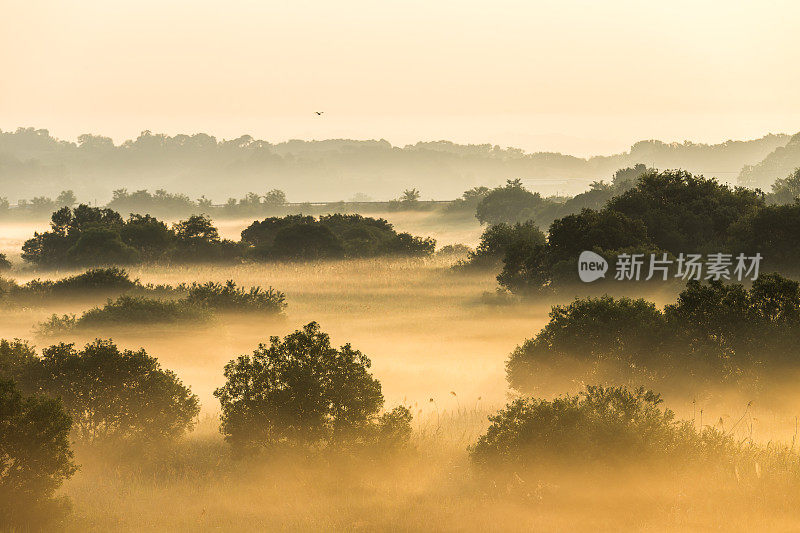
point(319, 112)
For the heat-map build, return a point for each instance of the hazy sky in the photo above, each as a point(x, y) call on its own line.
point(580, 77)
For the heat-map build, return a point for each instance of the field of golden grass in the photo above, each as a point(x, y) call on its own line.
point(437, 347)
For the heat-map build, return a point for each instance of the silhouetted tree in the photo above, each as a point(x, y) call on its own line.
point(113, 394)
point(302, 391)
point(509, 204)
point(35, 459)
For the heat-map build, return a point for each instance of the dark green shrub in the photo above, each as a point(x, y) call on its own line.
point(103, 280)
point(129, 310)
point(303, 391)
point(714, 333)
point(509, 204)
point(35, 459)
point(229, 297)
point(113, 394)
point(496, 241)
point(141, 310)
point(306, 241)
point(598, 428)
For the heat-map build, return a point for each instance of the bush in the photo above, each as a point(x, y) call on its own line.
point(336, 235)
point(498, 239)
point(302, 391)
point(229, 297)
point(306, 241)
point(5, 264)
point(112, 394)
point(509, 204)
point(141, 310)
point(600, 426)
point(592, 337)
point(94, 280)
point(714, 333)
point(460, 251)
point(35, 459)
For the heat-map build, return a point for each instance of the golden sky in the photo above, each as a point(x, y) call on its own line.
point(574, 76)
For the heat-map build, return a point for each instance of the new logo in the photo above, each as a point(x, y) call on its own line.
point(591, 266)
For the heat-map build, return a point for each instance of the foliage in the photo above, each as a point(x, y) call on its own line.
point(461, 251)
point(669, 212)
point(497, 239)
point(35, 459)
point(336, 235)
point(785, 190)
point(111, 279)
point(509, 204)
point(714, 333)
point(306, 241)
point(5, 264)
point(685, 213)
point(599, 427)
point(229, 297)
point(303, 391)
point(93, 236)
point(130, 310)
point(112, 394)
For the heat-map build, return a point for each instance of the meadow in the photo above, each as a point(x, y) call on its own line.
point(437, 346)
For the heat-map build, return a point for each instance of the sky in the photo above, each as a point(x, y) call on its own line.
point(581, 77)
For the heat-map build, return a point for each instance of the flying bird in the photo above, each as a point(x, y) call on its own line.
point(319, 112)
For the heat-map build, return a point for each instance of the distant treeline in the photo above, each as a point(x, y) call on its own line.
point(32, 162)
point(93, 236)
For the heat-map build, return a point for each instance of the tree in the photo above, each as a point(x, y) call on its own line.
point(197, 229)
point(101, 246)
point(685, 213)
point(587, 334)
point(495, 240)
point(150, 236)
point(306, 241)
point(510, 204)
point(786, 190)
point(35, 459)
point(275, 198)
point(299, 391)
point(5, 264)
point(113, 394)
point(66, 199)
point(410, 197)
point(714, 333)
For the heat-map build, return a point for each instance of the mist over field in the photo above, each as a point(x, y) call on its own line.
point(399, 266)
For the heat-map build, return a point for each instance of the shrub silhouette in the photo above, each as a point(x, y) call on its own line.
point(599, 427)
point(141, 310)
point(306, 241)
point(335, 235)
point(35, 459)
point(509, 204)
point(714, 332)
point(229, 297)
point(498, 239)
point(112, 394)
point(303, 391)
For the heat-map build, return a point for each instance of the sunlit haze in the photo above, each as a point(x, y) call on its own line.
point(576, 77)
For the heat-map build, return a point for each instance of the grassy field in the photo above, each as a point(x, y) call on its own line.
point(436, 347)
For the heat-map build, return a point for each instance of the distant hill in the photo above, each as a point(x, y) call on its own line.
point(778, 164)
point(32, 163)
